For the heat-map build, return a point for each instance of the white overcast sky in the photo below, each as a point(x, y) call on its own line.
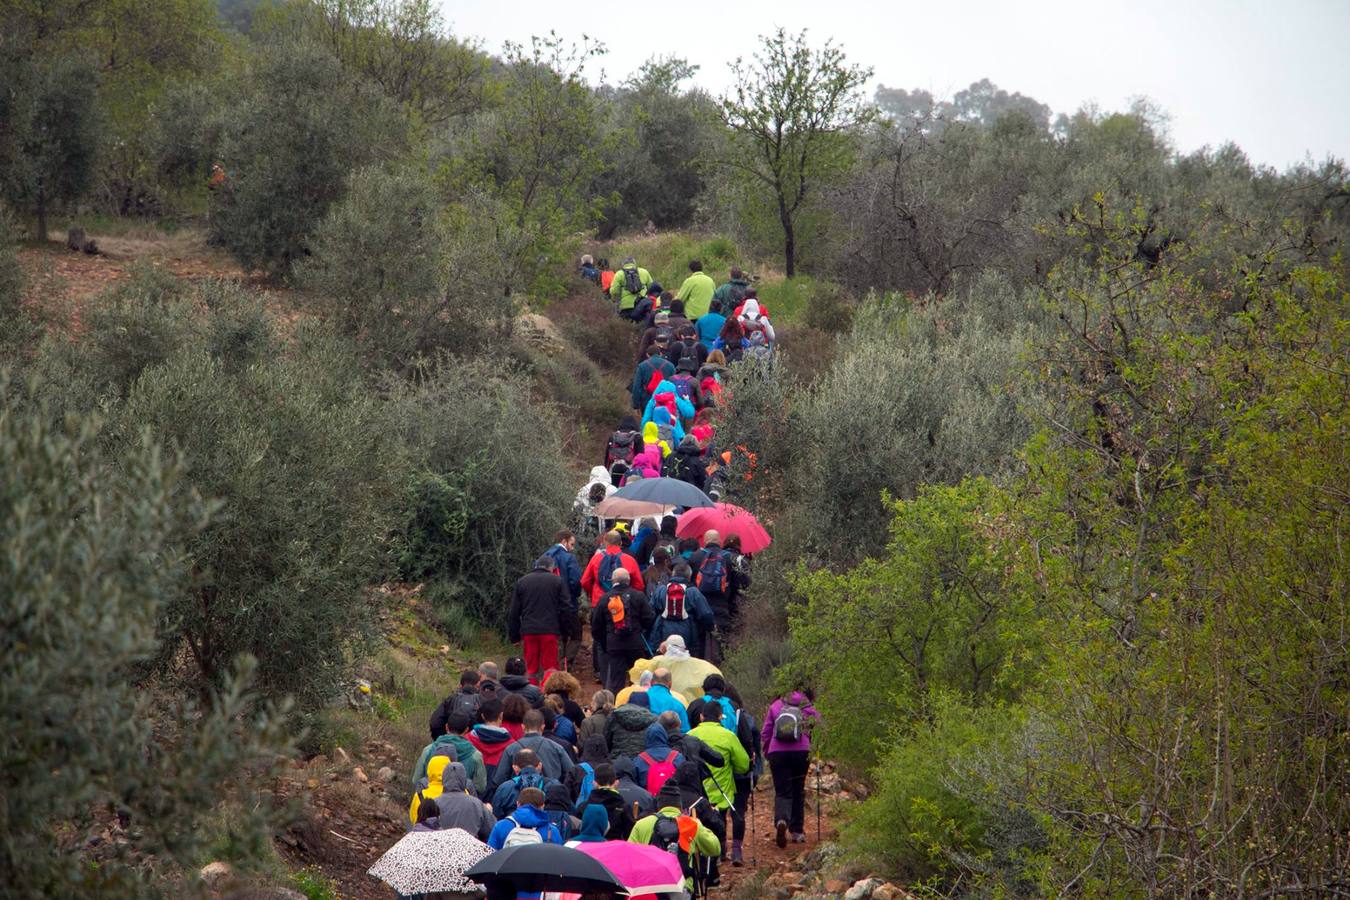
point(1272, 75)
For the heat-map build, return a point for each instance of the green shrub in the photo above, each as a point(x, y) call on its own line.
point(92, 555)
point(294, 449)
point(299, 124)
point(490, 487)
point(135, 325)
point(314, 884)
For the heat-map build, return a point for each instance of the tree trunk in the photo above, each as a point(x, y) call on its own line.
point(789, 246)
point(42, 216)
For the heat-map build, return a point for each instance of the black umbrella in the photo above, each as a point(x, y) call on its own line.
point(666, 491)
point(543, 867)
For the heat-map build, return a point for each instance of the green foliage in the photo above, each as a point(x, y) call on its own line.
point(314, 884)
point(527, 167)
point(937, 612)
point(49, 143)
point(489, 487)
point(92, 557)
point(399, 277)
point(401, 45)
point(789, 117)
point(295, 451)
point(18, 330)
point(298, 126)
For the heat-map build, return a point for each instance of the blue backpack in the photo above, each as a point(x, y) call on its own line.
point(730, 715)
point(610, 562)
point(587, 783)
point(712, 573)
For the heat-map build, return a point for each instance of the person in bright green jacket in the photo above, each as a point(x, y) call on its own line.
point(619, 287)
point(721, 786)
point(694, 839)
point(697, 291)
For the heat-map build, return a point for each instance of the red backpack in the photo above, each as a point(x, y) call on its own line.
point(658, 773)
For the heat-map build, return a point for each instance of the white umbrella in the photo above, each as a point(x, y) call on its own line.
point(426, 861)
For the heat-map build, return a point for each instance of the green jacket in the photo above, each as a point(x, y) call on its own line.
point(466, 755)
point(697, 294)
point(705, 843)
point(723, 294)
point(618, 291)
point(721, 787)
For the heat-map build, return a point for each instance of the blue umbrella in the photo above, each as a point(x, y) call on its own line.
point(666, 491)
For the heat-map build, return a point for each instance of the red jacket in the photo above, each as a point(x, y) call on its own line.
point(590, 579)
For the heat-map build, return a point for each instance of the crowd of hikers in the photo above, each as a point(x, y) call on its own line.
point(665, 752)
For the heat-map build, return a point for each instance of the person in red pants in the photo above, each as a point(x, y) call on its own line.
point(542, 613)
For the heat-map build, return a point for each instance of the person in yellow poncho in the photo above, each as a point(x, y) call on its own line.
point(686, 672)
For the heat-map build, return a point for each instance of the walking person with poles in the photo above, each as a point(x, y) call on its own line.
point(786, 739)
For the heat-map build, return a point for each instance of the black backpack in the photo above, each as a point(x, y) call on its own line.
point(632, 281)
point(622, 446)
point(666, 836)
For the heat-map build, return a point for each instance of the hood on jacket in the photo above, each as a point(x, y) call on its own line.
point(454, 779)
point(624, 768)
point(530, 817)
point(594, 824)
point(650, 434)
point(751, 309)
point(658, 737)
point(594, 750)
point(436, 770)
point(557, 797)
point(628, 423)
point(661, 416)
point(492, 734)
point(515, 683)
point(598, 474)
point(675, 648)
point(631, 717)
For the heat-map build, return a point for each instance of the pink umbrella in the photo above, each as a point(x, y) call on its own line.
point(726, 519)
point(643, 869)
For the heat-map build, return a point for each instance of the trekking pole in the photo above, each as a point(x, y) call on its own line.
point(754, 857)
point(817, 800)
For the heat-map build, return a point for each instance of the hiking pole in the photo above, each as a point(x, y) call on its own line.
point(754, 857)
point(817, 800)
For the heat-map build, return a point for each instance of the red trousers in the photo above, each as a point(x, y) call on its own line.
point(541, 654)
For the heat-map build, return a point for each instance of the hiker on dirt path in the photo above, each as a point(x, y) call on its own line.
point(662, 700)
point(731, 341)
point(670, 828)
point(563, 554)
point(697, 290)
point(786, 739)
point(678, 321)
point(588, 269)
point(466, 699)
point(686, 463)
point(599, 575)
point(751, 294)
point(728, 297)
point(605, 795)
point(455, 741)
point(566, 688)
point(650, 302)
point(553, 760)
point(711, 566)
point(456, 807)
point(490, 737)
point(633, 794)
point(489, 680)
point(529, 816)
point(720, 784)
point(660, 326)
point(681, 610)
point(658, 573)
point(760, 338)
point(629, 285)
point(718, 692)
point(643, 542)
point(594, 826)
point(619, 624)
point(542, 614)
point(515, 681)
point(645, 375)
point(626, 730)
point(602, 704)
point(624, 444)
point(709, 326)
point(657, 763)
point(436, 770)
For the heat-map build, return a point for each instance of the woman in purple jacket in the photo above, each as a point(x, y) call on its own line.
point(787, 743)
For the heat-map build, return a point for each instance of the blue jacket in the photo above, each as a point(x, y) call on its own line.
point(658, 748)
point(525, 817)
point(709, 326)
point(504, 799)
point(683, 406)
point(659, 696)
point(568, 568)
point(693, 629)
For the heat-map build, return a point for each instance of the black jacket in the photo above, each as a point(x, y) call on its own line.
point(686, 464)
point(602, 624)
point(519, 684)
point(540, 605)
point(626, 730)
point(621, 820)
point(466, 699)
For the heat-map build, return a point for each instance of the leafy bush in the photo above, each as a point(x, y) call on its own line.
point(298, 126)
point(92, 558)
point(396, 274)
point(293, 448)
point(489, 487)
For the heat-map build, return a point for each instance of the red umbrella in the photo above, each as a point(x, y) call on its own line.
point(726, 519)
